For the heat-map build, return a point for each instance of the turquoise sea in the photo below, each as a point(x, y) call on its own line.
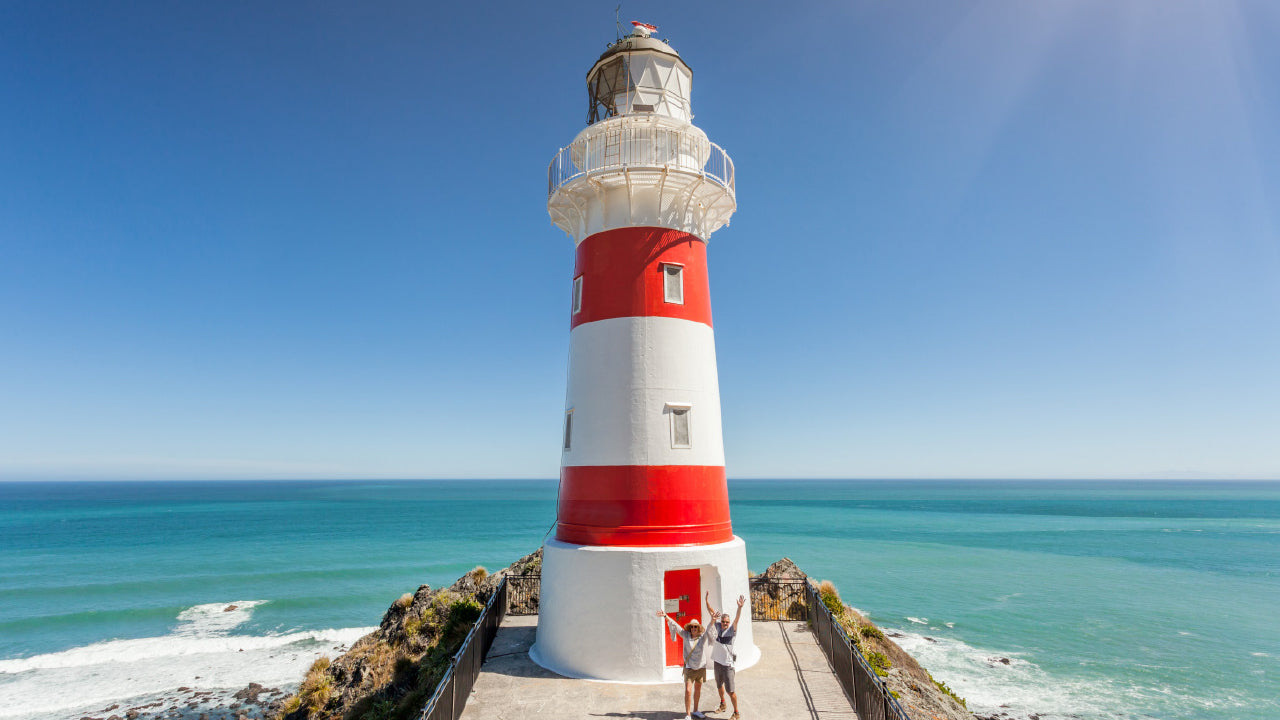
point(1111, 599)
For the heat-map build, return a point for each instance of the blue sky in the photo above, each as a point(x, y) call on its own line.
point(974, 239)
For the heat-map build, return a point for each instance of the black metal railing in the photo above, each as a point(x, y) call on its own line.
point(523, 592)
point(451, 694)
point(868, 693)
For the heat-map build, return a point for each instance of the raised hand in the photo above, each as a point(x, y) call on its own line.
point(742, 600)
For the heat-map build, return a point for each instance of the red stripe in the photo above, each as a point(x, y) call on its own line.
point(622, 275)
point(643, 505)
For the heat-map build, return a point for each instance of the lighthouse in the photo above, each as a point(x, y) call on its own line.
point(643, 512)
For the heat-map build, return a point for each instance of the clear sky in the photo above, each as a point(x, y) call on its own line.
point(989, 238)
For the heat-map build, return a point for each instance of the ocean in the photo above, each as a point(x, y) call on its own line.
point(1109, 599)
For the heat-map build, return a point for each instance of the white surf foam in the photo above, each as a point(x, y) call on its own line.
point(1021, 687)
point(918, 621)
point(200, 654)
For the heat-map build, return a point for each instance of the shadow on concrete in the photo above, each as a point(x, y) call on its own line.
point(643, 715)
point(795, 662)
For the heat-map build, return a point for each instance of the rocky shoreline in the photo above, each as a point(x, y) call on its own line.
point(252, 702)
point(389, 672)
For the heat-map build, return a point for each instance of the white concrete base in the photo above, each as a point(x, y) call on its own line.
point(597, 616)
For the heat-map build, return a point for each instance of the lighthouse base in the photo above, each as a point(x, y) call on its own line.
point(597, 616)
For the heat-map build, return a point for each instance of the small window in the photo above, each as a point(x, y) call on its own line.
point(577, 296)
point(680, 437)
point(568, 428)
point(673, 283)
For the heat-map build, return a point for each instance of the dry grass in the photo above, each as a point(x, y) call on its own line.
point(405, 601)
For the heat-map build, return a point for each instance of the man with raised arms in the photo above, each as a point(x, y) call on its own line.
point(722, 655)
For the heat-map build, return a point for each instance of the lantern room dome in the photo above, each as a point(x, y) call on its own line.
point(639, 74)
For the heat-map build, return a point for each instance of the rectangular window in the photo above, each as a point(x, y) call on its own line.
point(568, 428)
point(680, 435)
point(673, 283)
point(577, 294)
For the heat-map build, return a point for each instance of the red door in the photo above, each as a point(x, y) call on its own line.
point(682, 601)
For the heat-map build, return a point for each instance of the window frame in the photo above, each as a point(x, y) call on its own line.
point(568, 429)
point(685, 410)
point(576, 303)
point(666, 275)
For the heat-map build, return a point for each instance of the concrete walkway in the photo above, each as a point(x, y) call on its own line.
point(792, 680)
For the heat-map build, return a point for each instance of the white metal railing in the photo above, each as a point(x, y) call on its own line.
point(632, 146)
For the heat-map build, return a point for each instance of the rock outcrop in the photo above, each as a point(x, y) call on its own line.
point(392, 672)
point(915, 689)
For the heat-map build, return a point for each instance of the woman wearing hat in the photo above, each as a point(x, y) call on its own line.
point(697, 651)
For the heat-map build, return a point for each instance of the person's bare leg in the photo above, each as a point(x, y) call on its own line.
point(688, 695)
point(734, 697)
point(721, 689)
point(697, 692)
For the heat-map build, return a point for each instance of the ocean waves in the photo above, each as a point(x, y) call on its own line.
point(996, 682)
point(202, 652)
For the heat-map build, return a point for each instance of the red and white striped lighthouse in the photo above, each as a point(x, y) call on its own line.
point(643, 516)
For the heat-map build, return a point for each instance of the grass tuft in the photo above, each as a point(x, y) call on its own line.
point(870, 631)
point(943, 687)
point(879, 663)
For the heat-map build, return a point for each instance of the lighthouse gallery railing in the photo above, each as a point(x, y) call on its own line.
point(641, 147)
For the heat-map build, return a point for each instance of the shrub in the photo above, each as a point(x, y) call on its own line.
point(831, 598)
point(478, 573)
point(879, 663)
point(315, 689)
point(871, 631)
point(380, 710)
point(319, 695)
point(405, 600)
point(413, 626)
point(463, 613)
point(943, 687)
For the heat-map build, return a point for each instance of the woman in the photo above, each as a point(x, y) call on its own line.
point(697, 651)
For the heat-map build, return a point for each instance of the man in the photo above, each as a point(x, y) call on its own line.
point(722, 655)
point(697, 650)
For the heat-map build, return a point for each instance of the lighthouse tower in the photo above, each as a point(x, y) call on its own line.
point(643, 518)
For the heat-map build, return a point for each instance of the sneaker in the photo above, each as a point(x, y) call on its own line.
point(699, 714)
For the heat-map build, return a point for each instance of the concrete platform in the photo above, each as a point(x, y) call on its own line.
point(793, 680)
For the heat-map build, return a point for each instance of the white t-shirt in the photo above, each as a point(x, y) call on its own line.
point(722, 652)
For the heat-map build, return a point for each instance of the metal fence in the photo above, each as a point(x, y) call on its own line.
point(454, 688)
point(523, 592)
point(868, 693)
point(770, 600)
point(779, 599)
point(641, 146)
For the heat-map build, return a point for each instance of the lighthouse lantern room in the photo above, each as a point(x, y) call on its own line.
point(643, 513)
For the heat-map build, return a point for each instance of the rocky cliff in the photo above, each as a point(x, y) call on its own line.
point(390, 673)
point(915, 689)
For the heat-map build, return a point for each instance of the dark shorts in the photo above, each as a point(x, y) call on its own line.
point(724, 677)
point(698, 676)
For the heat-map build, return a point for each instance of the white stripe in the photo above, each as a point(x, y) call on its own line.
point(623, 375)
